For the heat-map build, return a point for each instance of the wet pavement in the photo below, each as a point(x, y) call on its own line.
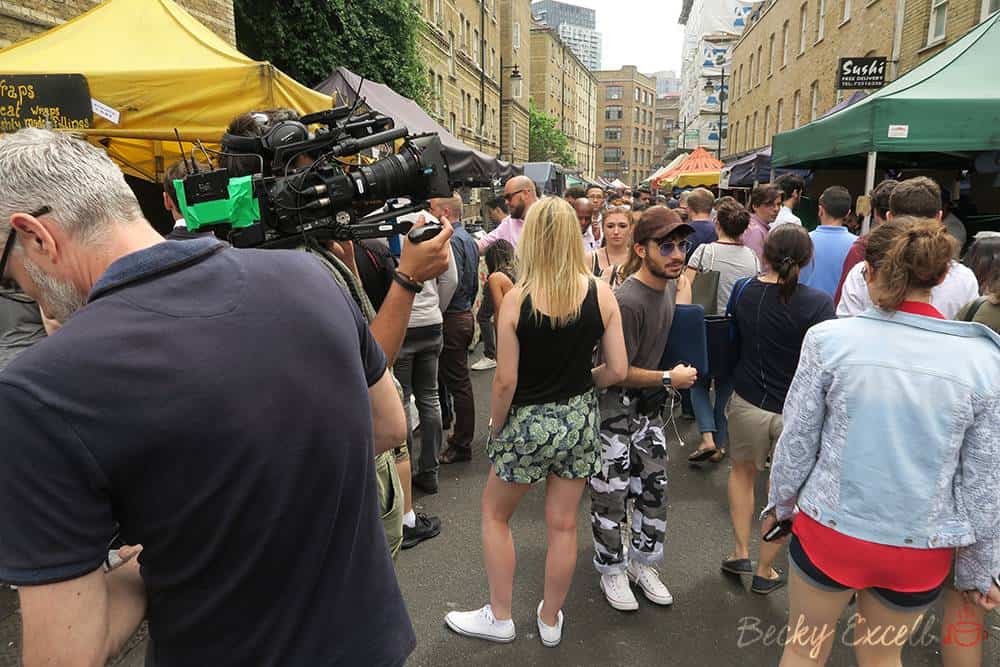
point(715, 619)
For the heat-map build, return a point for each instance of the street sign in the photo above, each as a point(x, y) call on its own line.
point(691, 134)
point(861, 73)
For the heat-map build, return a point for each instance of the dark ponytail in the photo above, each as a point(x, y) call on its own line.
point(788, 248)
point(907, 253)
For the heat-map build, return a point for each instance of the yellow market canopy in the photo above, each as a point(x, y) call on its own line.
point(664, 170)
point(158, 69)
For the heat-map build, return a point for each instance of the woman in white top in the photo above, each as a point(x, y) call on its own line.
point(733, 261)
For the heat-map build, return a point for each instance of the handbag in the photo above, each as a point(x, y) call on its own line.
point(722, 336)
point(705, 287)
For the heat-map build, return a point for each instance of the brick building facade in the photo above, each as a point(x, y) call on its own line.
point(460, 46)
point(625, 122)
point(515, 51)
point(563, 87)
point(784, 66)
point(667, 125)
point(19, 20)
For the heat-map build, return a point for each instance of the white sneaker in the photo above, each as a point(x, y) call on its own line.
point(550, 635)
point(484, 364)
point(618, 592)
point(649, 581)
point(481, 624)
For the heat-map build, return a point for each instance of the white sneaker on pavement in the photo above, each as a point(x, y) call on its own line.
point(481, 624)
point(618, 592)
point(550, 635)
point(484, 364)
point(649, 581)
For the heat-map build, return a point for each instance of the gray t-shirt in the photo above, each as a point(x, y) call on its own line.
point(646, 318)
point(20, 327)
point(733, 261)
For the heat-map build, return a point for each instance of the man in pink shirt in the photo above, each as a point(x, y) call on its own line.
point(765, 202)
point(519, 192)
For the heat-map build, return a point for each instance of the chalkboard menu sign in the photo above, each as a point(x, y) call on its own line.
point(58, 101)
point(861, 73)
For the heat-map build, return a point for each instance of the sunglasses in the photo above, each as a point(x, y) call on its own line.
point(667, 248)
point(8, 288)
point(508, 197)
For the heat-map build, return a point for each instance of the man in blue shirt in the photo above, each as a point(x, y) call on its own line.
point(831, 241)
point(700, 202)
point(223, 407)
point(459, 328)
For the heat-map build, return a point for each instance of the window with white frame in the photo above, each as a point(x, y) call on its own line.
point(767, 125)
point(814, 101)
point(784, 44)
point(516, 38)
point(753, 131)
point(770, 55)
point(612, 134)
point(760, 61)
point(797, 109)
point(613, 93)
point(847, 11)
point(820, 19)
point(750, 73)
point(513, 135)
point(803, 26)
point(778, 116)
point(936, 27)
point(612, 113)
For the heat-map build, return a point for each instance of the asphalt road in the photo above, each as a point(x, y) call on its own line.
point(715, 620)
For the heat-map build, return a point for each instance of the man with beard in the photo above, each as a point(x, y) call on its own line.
point(519, 193)
point(189, 397)
point(634, 456)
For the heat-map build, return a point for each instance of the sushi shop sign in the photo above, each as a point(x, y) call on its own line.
point(861, 73)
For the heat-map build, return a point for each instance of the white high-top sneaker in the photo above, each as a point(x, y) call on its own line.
point(481, 624)
point(649, 581)
point(618, 592)
point(550, 635)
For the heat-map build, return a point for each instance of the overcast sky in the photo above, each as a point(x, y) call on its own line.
point(639, 32)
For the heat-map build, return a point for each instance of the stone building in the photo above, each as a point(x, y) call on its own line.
point(625, 124)
point(784, 66)
point(460, 46)
point(19, 20)
point(515, 52)
point(576, 27)
point(667, 125)
point(563, 87)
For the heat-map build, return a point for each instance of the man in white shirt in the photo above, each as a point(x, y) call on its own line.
point(958, 288)
point(584, 215)
point(791, 186)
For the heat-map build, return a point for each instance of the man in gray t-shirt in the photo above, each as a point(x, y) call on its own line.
point(634, 446)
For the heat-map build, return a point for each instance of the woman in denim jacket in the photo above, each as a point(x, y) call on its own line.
point(891, 453)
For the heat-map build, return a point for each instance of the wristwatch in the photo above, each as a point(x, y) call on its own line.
point(407, 282)
point(666, 378)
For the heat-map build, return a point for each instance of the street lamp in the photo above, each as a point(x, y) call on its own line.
point(723, 95)
point(515, 75)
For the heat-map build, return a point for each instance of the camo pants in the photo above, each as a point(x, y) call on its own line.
point(633, 466)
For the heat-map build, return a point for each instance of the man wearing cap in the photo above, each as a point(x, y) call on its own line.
point(634, 456)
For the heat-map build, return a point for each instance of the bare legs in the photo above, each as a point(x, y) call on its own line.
point(500, 499)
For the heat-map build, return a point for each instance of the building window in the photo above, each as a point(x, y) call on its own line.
point(777, 116)
point(614, 93)
point(750, 73)
point(635, 114)
point(451, 53)
point(989, 6)
point(451, 122)
point(635, 135)
point(820, 19)
point(635, 156)
point(797, 109)
point(739, 82)
point(767, 126)
point(770, 55)
point(475, 47)
point(760, 62)
point(814, 101)
point(612, 155)
point(846, 16)
point(636, 94)
point(516, 38)
point(493, 59)
point(513, 135)
point(613, 113)
point(736, 137)
point(753, 131)
point(784, 44)
point(803, 24)
point(938, 22)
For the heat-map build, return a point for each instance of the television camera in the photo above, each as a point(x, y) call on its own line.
point(327, 199)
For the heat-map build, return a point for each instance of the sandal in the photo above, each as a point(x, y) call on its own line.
point(702, 454)
point(719, 455)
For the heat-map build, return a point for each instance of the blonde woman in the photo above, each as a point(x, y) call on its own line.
point(607, 262)
point(544, 413)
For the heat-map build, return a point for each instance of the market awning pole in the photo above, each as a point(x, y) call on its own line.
point(869, 186)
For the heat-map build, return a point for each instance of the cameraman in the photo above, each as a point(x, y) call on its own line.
point(188, 396)
point(418, 263)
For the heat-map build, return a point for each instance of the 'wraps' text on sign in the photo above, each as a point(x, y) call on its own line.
point(57, 101)
point(861, 73)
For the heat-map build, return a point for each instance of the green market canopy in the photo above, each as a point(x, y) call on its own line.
point(939, 112)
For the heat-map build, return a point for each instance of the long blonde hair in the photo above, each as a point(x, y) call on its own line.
point(552, 261)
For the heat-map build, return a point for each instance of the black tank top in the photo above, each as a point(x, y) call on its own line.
point(555, 364)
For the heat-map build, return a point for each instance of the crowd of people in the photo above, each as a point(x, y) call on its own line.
point(228, 413)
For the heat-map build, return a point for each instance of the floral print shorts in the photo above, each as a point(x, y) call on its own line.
point(560, 438)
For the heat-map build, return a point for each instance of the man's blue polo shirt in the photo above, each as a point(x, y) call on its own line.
point(213, 403)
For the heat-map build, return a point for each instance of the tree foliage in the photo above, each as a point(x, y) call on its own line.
point(546, 142)
point(308, 39)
